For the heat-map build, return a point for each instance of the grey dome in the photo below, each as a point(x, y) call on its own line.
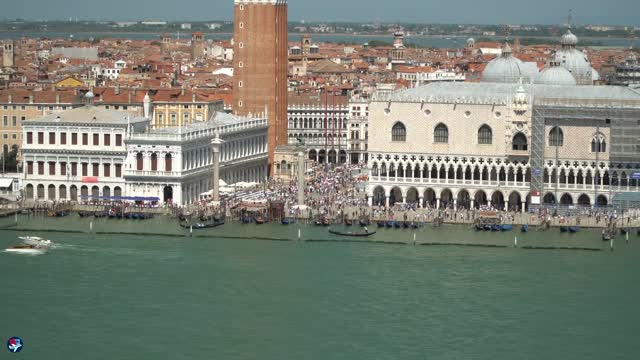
point(89, 95)
point(471, 41)
point(575, 60)
point(556, 75)
point(568, 39)
point(506, 68)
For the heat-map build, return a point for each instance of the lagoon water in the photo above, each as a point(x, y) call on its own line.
point(230, 294)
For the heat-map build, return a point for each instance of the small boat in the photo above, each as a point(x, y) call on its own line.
point(381, 224)
point(564, 229)
point(624, 231)
point(506, 227)
point(606, 236)
point(389, 224)
point(352, 233)
point(348, 222)
point(285, 221)
point(495, 227)
point(101, 214)
point(26, 250)
point(414, 225)
point(479, 227)
point(524, 228)
point(406, 224)
point(199, 226)
point(487, 227)
point(260, 220)
point(397, 224)
point(36, 241)
point(85, 213)
point(247, 220)
point(574, 229)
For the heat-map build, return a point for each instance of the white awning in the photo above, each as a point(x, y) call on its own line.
point(5, 183)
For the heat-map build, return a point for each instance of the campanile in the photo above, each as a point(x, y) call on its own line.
point(260, 65)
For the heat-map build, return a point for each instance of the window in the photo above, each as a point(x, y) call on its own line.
point(5, 120)
point(519, 142)
point(107, 140)
point(14, 136)
point(40, 138)
point(160, 118)
point(29, 137)
point(95, 169)
point(85, 169)
point(241, 25)
point(63, 138)
point(240, 64)
point(14, 120)
point(107, 170)
point(118, 170)
point(174, 117)
point(556, 137)
point(23, 108)
point(441, 134)
point(5, 137)
point(154, 162)
point(74, 139)
point(30, 167)
point(63, 168)
point(40, 167)
point(85, 139)
point(118, 139)
point(240, 45)
point(167, 163)
point(485, 135)
point(139, 161)
point(598, 144)
point(399, 132)
point(52, 168)
point(74, 169)
point(52, 138)
point(240, 83)
point(96, 139)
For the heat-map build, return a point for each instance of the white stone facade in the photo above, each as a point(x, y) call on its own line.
point(176, 164)
point(466, 165)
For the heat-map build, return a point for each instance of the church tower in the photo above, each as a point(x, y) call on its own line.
point(260, 65)
point(197, 45)
point(8, 54)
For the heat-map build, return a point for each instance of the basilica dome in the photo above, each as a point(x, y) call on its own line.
point(554, 74)
point(506, 68)
point(575, 60)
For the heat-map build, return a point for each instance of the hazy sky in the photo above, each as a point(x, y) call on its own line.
point(623, 12)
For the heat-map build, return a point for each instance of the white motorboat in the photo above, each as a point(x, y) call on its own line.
point(36, 241)
point(26, 250)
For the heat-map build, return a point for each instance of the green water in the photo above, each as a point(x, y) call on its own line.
point(105, 296)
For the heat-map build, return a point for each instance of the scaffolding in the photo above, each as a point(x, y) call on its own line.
point(624, 139)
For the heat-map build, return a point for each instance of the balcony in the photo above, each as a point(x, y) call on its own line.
point(149, 173)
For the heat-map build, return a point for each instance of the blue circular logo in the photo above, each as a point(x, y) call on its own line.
point(15, 344)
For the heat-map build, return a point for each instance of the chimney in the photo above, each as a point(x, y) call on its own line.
point(57, 98)
point(31, 98)
point(117, 90)
point(130, 95)
point(182, 91)
point(10, 99)
point(193, 97)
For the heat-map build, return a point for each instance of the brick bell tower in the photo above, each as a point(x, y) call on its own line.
point(260, 65)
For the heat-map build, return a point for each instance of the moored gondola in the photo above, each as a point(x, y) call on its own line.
point(524, 228)
point(574, 229)
point(381, 224)
point(352, 233)
point(506, 227)
point(564, 229)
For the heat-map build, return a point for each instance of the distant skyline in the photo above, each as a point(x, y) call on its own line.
point(547, 12)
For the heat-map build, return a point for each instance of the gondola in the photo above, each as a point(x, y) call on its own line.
point(247, 220)
point(389, 224)
point(85, 213)
point(624, 231)
point(397, 224)
point(414, 225)
point(487, 227)
point(479, 227)
point(495, 227)
point(351, 233)
point(524, 228)
point(381, 224)
point(260, 220)
point(199, 226)
point(285, 221)
point(574, 229)
point(101, 214)
point(406, 224)
point(564, 229)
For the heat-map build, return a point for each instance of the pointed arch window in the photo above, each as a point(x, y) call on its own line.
point(556, 137)
point(519, 142)
point(598, 144)
point(441, 134)
point(399, 132)
point(485, 135)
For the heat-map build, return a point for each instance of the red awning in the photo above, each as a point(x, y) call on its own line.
point(90, 179)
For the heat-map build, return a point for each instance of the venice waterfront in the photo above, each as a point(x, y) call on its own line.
point(227, 295)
